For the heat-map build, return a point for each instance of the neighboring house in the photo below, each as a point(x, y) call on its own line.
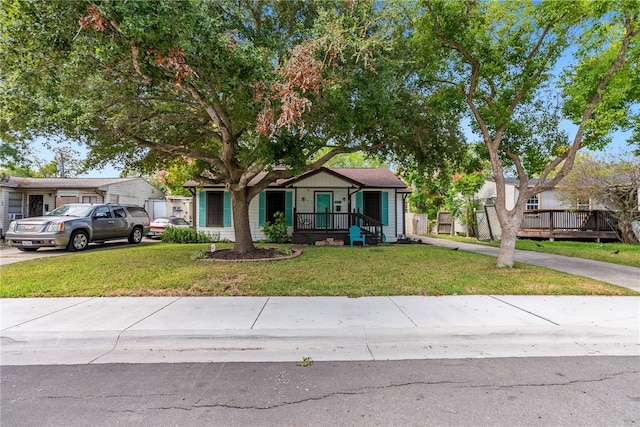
point(317, 205)
point(546, 216)
point(29, 197)
point(545, 200)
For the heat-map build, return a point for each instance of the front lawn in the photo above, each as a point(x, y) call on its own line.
point(163, 269)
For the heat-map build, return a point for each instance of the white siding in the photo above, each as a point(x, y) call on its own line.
point(547, 199)
point(322, 180)
point(133, 191)
point(305, 198)
point(228, 233)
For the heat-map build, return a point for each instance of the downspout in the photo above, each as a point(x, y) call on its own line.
point(349, 202)
point(194, 211)
point(404, 214)
point(351, 194)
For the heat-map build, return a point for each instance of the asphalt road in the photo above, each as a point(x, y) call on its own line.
point(566, 391)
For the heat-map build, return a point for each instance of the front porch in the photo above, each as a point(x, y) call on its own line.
point(311, 227)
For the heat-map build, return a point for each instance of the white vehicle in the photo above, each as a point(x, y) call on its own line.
point(158, 225)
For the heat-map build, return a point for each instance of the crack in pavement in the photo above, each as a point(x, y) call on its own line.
point(363, 390)
point(368, 389)
point(309, 399)
point(559, 384)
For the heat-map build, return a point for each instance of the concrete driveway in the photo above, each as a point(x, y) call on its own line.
point(10, 255)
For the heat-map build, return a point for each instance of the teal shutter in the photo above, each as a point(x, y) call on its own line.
point(226, 209)
point(359, 202)
point(202, 209)
point(385, 208)
point(262, 208)
point(288, 208)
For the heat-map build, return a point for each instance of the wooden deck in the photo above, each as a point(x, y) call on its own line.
point(561, 224)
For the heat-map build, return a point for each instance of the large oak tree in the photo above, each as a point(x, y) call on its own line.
point(230, 88)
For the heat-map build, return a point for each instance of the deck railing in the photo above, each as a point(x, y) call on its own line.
point(560, 220)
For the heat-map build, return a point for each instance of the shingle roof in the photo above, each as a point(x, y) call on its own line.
point(364, 177)
point(66, 182)
point(372, 177)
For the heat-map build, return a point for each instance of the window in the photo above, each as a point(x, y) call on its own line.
point(533, 203)
point(274, 203)
point(119, 213)
point(15, 203)
point(89, 199)
point(215, 209)
point(137, 211)
point(103, 212)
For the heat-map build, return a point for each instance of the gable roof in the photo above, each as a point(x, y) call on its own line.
point(373, 177)
point(359, 177)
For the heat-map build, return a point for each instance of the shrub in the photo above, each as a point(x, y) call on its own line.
point(187, 235)
point(276, 232)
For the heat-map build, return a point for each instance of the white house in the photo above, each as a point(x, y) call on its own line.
point(316, 205)
point(546, 216)
point(545, 200)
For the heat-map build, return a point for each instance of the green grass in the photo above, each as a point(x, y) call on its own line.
point(606, 252)
point(168, 269)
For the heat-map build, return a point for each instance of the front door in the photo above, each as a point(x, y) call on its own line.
point(323, 210)
point(36, 205)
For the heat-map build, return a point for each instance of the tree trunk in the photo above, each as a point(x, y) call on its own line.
point(242, 230)
point(508, 241)
point(626, 230)
point(510, 224)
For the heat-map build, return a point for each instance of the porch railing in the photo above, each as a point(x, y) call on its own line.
point(336, 222)
point(559, 220)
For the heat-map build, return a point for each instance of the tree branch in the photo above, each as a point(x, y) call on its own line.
point(171, 149)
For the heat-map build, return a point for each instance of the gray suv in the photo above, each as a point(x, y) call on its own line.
point(75, 225)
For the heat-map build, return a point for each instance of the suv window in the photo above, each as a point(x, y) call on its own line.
point(119, 213)
point(136, 211)
point(103, 210)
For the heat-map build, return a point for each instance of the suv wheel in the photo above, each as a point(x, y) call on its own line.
point(79, 241)
point(136, 235)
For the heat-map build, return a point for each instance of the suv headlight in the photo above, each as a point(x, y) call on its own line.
point(56, 226)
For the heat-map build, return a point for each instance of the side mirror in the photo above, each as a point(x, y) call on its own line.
point(100, 215)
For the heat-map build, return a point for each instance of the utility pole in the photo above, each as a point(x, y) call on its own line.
point(61, 166)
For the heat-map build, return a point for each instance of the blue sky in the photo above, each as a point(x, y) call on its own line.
point(109, 171)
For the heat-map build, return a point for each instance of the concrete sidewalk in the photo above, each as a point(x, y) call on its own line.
point(219, 329)
point(621, 275)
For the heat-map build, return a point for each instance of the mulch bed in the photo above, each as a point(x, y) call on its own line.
point(259, 254)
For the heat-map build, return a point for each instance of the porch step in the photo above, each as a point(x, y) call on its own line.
point(330, 242)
